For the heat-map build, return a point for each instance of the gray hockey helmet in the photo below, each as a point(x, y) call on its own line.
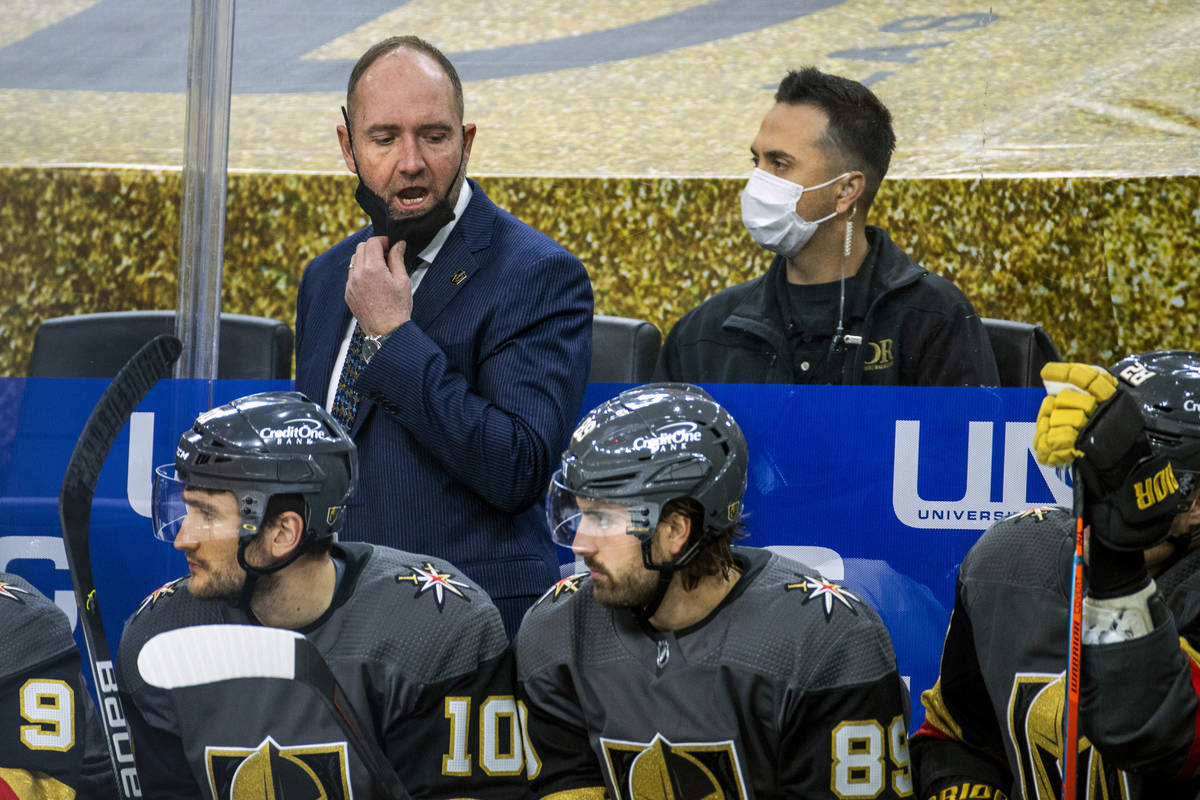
point(647, 446)
point(256, 447)
point(1166, 386)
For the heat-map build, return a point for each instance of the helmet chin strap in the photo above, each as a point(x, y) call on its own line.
point(254, 573)
point(247, 593)
point(666, 572)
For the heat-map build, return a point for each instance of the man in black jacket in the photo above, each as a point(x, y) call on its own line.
point(841, 303)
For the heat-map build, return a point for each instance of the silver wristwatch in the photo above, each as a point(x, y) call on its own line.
point(371, 345)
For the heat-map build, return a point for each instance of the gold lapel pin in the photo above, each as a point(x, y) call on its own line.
point(458, 277)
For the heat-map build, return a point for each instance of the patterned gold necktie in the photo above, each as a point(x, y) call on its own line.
point(345, 401)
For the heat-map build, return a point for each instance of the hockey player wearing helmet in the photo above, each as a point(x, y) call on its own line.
point(51, 741)
point(257, 486)
point(680, 665)
point(669, 456)
point(254, 502)
point(994, 721)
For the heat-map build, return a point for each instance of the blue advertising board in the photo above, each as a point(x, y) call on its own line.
point(883, 489)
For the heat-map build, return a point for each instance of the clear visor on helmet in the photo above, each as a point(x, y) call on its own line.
point(570, 515)
point(205, 514)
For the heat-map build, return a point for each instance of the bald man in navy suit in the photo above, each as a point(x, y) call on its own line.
point(452, 340)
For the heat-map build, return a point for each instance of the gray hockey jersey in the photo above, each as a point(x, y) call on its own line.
point(420, 651)
point(51, 741)
point(995, 716)
point(789, 688)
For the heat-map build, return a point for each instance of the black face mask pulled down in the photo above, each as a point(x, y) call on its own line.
point(415, 232)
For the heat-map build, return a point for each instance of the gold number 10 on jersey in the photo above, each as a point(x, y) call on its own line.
point(503, 747)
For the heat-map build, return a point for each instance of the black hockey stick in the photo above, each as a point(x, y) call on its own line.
point(203, 654)
point(112, 411)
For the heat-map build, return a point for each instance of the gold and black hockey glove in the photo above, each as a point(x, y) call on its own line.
point(1130, 494)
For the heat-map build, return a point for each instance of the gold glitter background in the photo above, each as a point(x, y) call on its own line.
point(1107, 266)
point(1048, 162)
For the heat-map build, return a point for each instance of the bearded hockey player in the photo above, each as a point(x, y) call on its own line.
point(994, 721)
point(52, 745)
point(680, 666)
point(254, 500)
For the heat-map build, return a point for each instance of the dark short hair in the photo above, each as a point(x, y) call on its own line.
point(391, 45)
point(717, 556)
point(860, 126)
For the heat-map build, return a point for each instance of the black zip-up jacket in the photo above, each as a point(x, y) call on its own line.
point(916, 329)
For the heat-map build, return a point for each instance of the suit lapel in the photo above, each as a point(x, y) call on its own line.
point(456, 262)
point(325, 325)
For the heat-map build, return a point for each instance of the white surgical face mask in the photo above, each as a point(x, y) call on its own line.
point(769, 212)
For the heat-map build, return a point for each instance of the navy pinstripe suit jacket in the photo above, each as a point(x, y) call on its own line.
point(467, 408)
